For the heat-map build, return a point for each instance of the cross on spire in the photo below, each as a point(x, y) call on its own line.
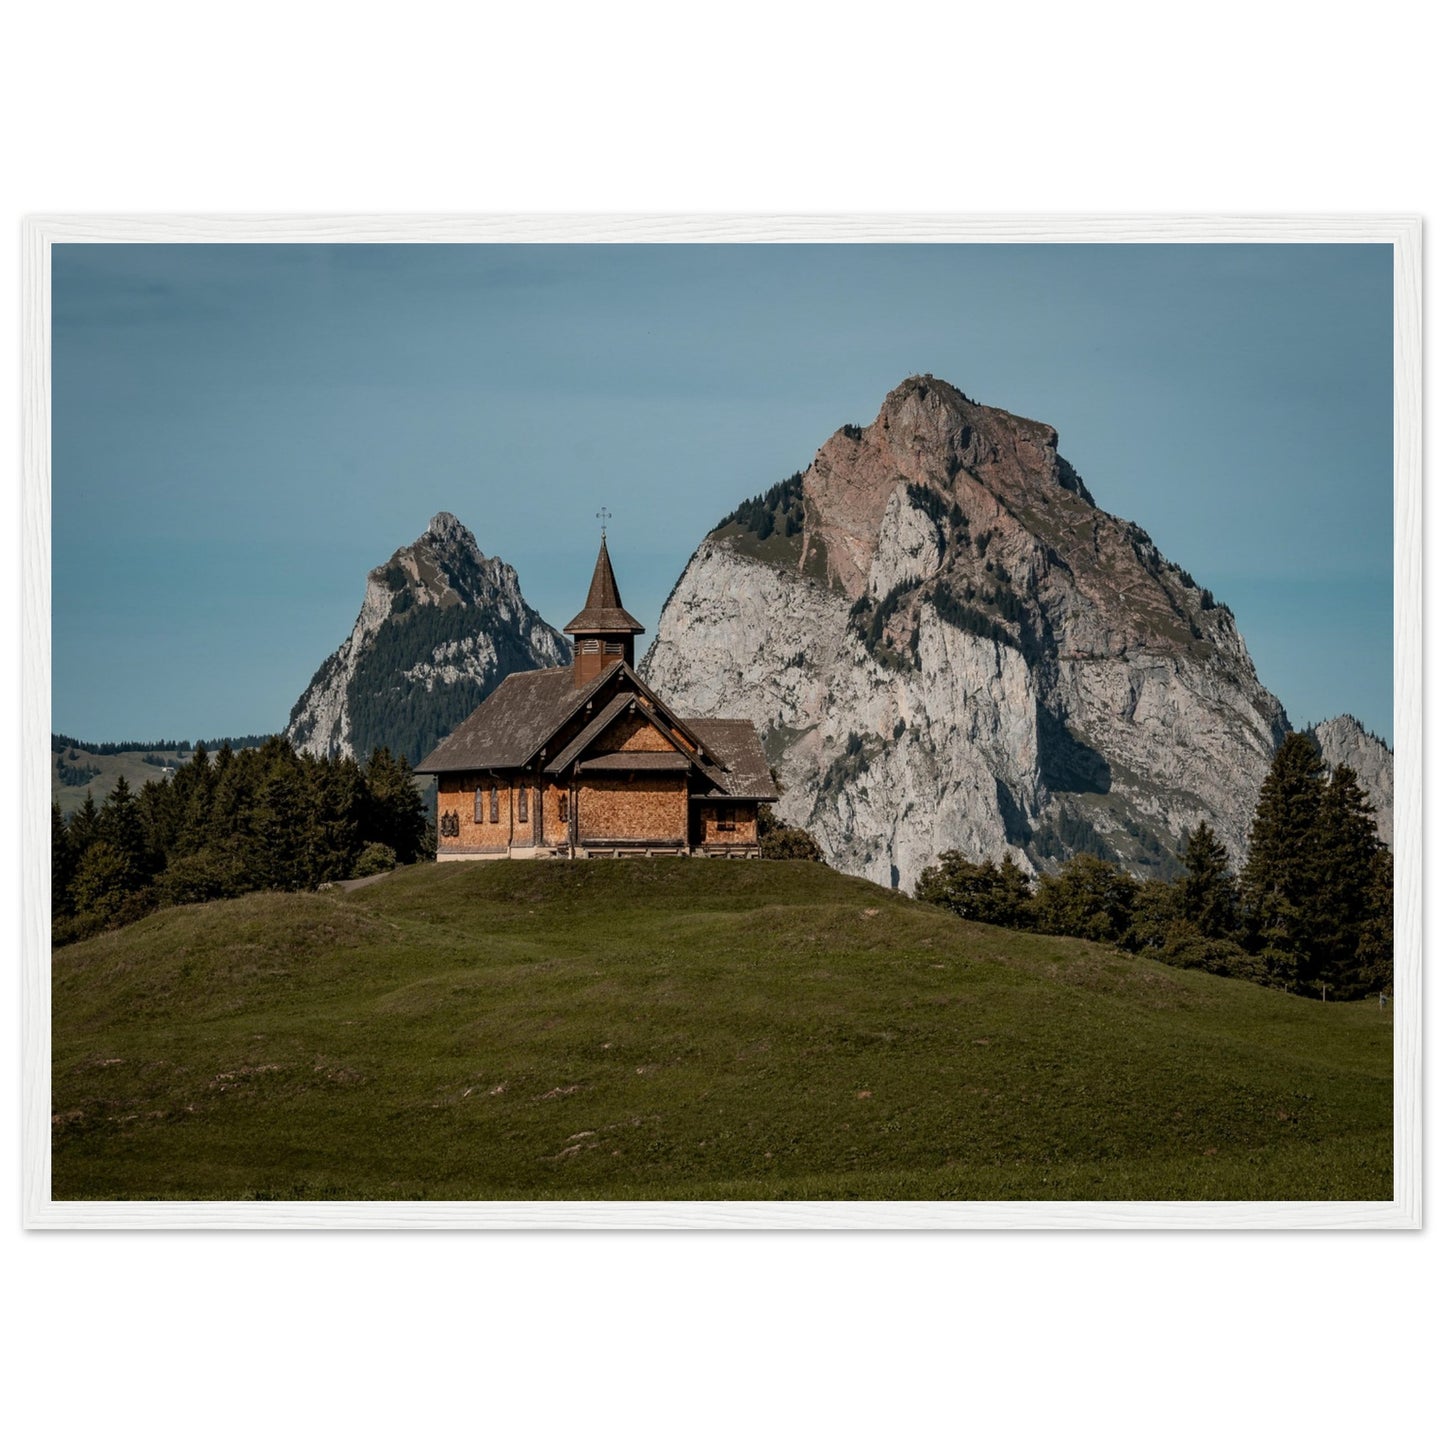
point(604, 516)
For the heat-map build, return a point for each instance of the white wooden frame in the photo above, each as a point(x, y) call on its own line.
point(1401, 232)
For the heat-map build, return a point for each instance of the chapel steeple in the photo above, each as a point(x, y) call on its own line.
point(603, 630)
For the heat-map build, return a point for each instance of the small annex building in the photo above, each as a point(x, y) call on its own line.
point(586, 760)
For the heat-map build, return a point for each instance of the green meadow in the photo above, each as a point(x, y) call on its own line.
point(685, 1029)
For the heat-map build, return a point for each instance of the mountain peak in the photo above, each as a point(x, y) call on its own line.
point(440, 626)
point(444, 527)
point(948, 644)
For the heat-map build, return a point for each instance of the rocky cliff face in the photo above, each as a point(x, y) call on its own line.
point(946, 644)
point(1344, 741)
point(440, 626)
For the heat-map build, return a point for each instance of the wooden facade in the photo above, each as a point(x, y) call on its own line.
point(586, 760)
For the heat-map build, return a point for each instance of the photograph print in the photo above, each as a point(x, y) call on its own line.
point(722, 726)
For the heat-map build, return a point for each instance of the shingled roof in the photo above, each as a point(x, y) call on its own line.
point(516, 720)
point(604, 611)
point(735, 744)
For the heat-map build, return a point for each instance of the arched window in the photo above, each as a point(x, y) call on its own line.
point(477, 807)
point(522, 805)
point(496, 804)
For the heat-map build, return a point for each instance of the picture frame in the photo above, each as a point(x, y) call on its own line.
point(1402, 233)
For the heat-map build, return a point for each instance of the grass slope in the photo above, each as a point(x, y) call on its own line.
point(112, 768)
point(680, 1029)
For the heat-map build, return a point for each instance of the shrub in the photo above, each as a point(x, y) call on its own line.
point(986, 892)
point(375, 858)
point(778, 840)
point(1186, 947)
point(202, 876)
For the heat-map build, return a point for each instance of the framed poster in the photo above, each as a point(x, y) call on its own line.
point(963, 796)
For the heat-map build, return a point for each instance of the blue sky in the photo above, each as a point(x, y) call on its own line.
point(241, 432)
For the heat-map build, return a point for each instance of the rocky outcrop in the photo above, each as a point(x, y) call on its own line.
point(440, 626)
point(1344, 741)
point(947, 644)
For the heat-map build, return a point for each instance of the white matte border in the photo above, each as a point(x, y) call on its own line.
point(1404, 233)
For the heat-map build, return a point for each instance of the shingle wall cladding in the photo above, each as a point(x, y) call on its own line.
point(632, 735)
point(643, 807)
point(456, 793)
point(745, 823)
point(554, 826)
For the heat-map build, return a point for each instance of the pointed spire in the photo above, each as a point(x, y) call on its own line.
point(604, 611)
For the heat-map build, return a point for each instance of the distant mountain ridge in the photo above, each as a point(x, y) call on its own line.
point(1345, 740)
point(440, 626)
point(947, 644)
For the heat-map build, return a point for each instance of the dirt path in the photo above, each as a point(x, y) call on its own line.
point(348, 884)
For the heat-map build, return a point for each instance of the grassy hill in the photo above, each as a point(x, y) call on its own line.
point(680, 1029)
point(105, 770)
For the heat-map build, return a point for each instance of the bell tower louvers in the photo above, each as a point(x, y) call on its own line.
point(603, 631)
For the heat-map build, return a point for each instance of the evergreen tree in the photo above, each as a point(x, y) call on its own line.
point(84, 826)
point(104, 880)
point(194, 786)
point(1375, 956)
point(395, 814)
point(1207, 895)
point(282, 820)
point(1280, 882)
point(62, 864)
point(338, 808)
point(122, 826)
point(985, 892)
point(1086, 898)
point(1346, 845)
point(1155, 913)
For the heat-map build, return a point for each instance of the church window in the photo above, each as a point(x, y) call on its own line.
point(562, 801)
point(496, 804)
point(521, 805)
point(477, 807)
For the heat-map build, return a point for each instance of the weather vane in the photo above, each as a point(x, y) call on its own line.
point(605, 517)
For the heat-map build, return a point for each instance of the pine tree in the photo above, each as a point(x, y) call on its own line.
point(338, 804)
point(1375, 957)
point(62, 864)
point(282, 819)
point(121, 825)
point(1207, 895)
point(1346, 845)
point(194, 785)
point(1280, 881)
point(395, 814)
point(84, 826)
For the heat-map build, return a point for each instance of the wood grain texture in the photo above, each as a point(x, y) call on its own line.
point(40, 233)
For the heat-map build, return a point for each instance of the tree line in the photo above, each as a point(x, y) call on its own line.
point(1312, 910)
point(230, 824)
point(61, 741)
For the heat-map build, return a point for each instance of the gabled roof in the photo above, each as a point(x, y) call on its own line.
point(607, 716)
point(507, 730)
point(735, 743)
point(516, 722)
point(604, 611)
